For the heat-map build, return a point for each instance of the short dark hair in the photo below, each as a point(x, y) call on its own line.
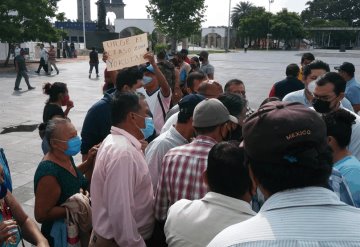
point(338, 125)
point(270, 99)
point(122, 104)
point(335, 79)
point(235, 103)
point(307, 56)
point(312, 168)
point(292, 70)
point(205, 130)
point(317, 64)
point(232, 82)
point(161, 54)
point(128, 76)
point(226, 172)
point(196, 75)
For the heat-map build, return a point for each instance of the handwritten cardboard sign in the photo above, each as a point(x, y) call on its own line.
point(126, 52)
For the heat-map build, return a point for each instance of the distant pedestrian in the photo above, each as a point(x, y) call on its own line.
point(43, 59)
point(94, 62)
point(21, 70)
point(206, 67)
point(52, 60)
point(194, 64)
point(246, 46)
point(306, 59)
point(352, 90)
point(290, 84)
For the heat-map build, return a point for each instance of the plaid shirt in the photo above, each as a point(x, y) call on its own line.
point(181, 174)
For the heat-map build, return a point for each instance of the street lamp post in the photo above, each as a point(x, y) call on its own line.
point(268, 35)
point(270, 2)
point(83, 15)
point(228, 31)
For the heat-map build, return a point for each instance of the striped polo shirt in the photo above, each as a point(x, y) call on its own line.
point(307, 217)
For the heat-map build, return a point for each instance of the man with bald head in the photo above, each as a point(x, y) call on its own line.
point(208, 89)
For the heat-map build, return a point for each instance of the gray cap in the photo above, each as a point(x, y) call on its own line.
point(211, 112)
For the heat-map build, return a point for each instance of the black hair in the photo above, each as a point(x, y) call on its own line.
point(312, 167)
point(226, 172)
point(93, 48)
point(53, 90)
point(128, 76)
point(122, 104)
point(232, 82)
point(307, 56)
point(270, 99)
point(161, 54)
point(292, 70)
point(317, 64)
point(196, 75)
point(335, 79)
point(338, 124)
point(235, 103)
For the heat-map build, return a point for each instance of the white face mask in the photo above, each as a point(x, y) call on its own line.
point(311, 87)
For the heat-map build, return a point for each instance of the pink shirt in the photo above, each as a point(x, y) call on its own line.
point(121, 191)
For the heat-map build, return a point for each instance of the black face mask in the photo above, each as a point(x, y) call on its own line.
point(321, 106)
point(201, 59)
point(236, 134)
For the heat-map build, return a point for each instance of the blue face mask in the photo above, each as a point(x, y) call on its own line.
point(147, 79)
point(149, 127)
point(73, 146)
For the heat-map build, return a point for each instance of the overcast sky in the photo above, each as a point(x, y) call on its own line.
point(216, 13)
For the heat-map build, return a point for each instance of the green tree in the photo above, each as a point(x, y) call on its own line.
point(255, 25)
point(27, 20)
point(286, 26)
point(337, 37)
point(177, 18)
point(346, 10)
point(240, 11)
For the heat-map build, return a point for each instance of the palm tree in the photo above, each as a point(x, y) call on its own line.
point(241, 10)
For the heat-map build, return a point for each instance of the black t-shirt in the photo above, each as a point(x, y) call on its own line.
point(94, 57)
point(51, 110)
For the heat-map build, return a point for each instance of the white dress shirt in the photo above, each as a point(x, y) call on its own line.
point(121, 191)
point(196, 223)
point(307, 217)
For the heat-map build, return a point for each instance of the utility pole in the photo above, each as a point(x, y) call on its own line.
point(268, 35)
point(83, 14)
point(228, 31)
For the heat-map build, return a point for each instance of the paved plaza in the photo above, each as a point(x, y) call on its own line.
point(258, 69)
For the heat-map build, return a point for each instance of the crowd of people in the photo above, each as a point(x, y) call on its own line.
point(171, 158)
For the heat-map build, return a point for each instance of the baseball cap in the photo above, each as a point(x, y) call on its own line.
point(279, 130)
point(204, 54)
point(211, 112)
point(347, 67)
point(188, 103)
